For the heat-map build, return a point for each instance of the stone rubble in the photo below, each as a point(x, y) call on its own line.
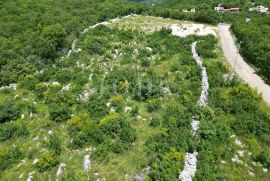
point(236, 159)
point(50, 132)
point(60, 170)
point(185, 29)
point(195, 125)
point(241, 153)
point(66, 88)
point(21, 175)
point(191, 158)
point(239, 143)
point(35, 161)
point(30, 177)
point(223, 162)
point(205, 84)
point(12, 86)
point(141, 176)
point(127, 109)
point(86, 163)
point(190, 167)
point(86, 94)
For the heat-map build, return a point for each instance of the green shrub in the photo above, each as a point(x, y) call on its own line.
point(78, 141)
point(59, 112)
point(145, 62)
point(64, 76)
point(46, 161)
point(9, 111)
point(118, 147)
point(96, 106)
point(54, 144)
point(9, 156)
point(8, 130)
point(77, 122)
point(155, 121)
point(29, 82)
point(51, 40)
point(134, 111)
point(264, 158)
point(168, 166)
point(118, 102)
point(128, 134)
point(153, 105)
point(147, 88)
point(95, 46)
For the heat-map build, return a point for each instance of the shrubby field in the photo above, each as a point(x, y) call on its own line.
point(120, 106)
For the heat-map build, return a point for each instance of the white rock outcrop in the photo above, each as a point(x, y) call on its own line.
point(86, 163)
point(190, 167)
point(186, 29)
point(60, 170)
point(205, 84)
point(12, 86)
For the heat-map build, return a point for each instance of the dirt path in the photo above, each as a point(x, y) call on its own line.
point(246, 72)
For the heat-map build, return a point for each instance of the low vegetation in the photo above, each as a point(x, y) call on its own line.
point(124, 98)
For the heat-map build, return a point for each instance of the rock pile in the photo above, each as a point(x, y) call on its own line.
point(86, 163)
point(190, 167)
point(11, 86)
point(60, 170)
point(205, 84)
point(191, 158)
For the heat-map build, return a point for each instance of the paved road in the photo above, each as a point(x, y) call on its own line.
point(246, 72)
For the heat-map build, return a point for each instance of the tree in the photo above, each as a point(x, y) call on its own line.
point(52, 39)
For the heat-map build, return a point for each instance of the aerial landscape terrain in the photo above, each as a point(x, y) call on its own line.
point(118, 90)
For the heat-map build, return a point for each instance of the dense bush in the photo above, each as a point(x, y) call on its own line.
point(96, 106)
point(54, 144)
point(123, 79)
point(9, 111)
point(118, 103)
point(112, 133)
point(29, 82)
point(47, 161)
point(168, 166)
point(8, 130)
point(59, 112)
point(40, 88)
point(9, 156)
point(51, 41)
point(264, 158)
point(155, 121)
point(77, 123)
point(206, 46)
point(147, 88)
point(115, 125)
point(153, 105)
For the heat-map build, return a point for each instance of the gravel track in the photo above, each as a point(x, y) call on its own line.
point(246, 72)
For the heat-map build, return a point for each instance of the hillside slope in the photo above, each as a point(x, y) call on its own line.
point(121, 105)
